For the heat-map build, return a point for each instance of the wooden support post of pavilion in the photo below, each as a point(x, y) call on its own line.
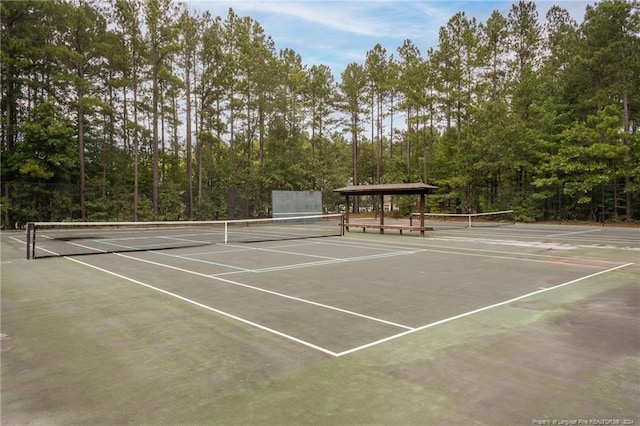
point(418, 188)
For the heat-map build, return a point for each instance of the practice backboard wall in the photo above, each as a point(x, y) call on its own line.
point(296, 203)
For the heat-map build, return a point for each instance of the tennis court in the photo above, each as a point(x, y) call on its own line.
point(496, 325)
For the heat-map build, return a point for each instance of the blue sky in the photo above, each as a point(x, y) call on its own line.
point(336, 33)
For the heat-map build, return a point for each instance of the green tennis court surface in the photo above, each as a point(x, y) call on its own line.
point(505, 325)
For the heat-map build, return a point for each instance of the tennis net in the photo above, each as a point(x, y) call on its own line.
point(47, 239)
point(466, 220)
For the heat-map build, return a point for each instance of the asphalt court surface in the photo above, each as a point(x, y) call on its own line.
point(340, 294)
point(505, 325)
point(614, 237)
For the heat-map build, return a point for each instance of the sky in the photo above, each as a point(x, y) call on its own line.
point(336, 33)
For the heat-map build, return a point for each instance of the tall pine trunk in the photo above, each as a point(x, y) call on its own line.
point(154, 142)
point(83, 208)
point(188, 118)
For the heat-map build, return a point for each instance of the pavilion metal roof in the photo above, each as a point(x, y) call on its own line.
point(388, 189)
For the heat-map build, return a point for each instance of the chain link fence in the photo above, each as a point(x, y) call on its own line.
point(23, 202)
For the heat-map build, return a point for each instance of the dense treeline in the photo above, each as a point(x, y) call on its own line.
point(145, 109)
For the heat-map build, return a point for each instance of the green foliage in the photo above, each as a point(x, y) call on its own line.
point(513, 112)
point(589, 153)
point(48, 151)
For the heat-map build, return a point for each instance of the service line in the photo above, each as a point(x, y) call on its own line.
point(273, 293)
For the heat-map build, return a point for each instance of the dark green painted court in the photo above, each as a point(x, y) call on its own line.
point(500, 325)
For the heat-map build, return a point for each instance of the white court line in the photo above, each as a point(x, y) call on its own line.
point(574, 233)
point(594, 240)
point(476, 311)
point(369, 246)
point(321, 349)
point(190, 259)
point(53, 252)
point(331, 262)
point(209, 308)
point(459, 253)
point(532, 231)
point(326, 260)
point(70, 243)
point(274, 293)
point(17, 240)
point(553, 259)
point(210, 253)
point(145, 247)
point(288, 252)
point(239, 248)
point(238, 269)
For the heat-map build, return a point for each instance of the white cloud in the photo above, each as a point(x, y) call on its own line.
point(380, 18)
point(337, 32)
point(344, 16)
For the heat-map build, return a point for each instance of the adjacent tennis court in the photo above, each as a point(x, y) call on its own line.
point(488, 325)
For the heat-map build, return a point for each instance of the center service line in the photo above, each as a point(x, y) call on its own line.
point(274, 293)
